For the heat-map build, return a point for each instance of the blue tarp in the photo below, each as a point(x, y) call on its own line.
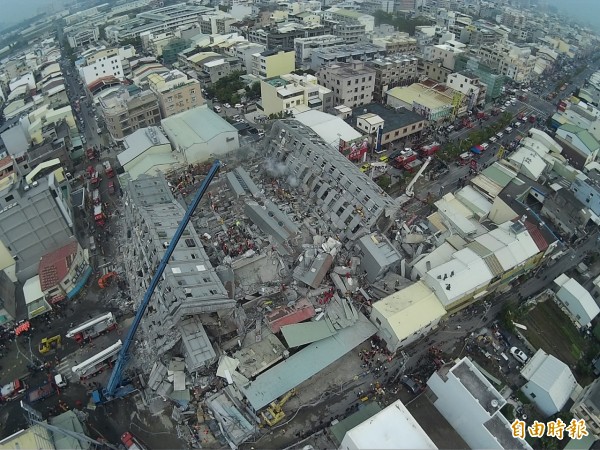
point(73, 292)
point(476, 150)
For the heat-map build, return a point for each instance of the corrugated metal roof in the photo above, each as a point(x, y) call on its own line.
point(480, 249)
point(299, 367)
point(494, 265)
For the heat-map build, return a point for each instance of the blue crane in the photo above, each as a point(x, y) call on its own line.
point(115, 387)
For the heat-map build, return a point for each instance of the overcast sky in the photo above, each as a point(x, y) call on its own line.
point(587, 11)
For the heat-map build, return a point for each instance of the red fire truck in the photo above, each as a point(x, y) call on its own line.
point(108, 170)
point(99, 216)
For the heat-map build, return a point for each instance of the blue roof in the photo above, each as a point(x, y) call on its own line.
point(299, 367)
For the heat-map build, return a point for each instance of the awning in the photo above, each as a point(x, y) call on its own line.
point(80, 283)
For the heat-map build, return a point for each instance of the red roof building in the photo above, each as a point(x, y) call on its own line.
point(55, 266)
point(288, 315)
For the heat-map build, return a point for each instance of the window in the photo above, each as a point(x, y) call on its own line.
point(377, 320)
point(9, 198)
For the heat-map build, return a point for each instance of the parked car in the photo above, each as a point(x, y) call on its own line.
point(226, 105)
point(411, 384)
point(239, 105)
point(365, 167)
point(519, 355)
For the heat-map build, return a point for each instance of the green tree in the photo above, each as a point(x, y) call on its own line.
point(384, 182)
point(253, 90)
point(402, 24)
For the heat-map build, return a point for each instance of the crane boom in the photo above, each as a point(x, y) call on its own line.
point(116, 376)
point(409, 188)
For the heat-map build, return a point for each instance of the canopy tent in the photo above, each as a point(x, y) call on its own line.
point(477, 149)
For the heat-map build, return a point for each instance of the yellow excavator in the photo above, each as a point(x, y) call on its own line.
point(274, 412)
point(49, 344)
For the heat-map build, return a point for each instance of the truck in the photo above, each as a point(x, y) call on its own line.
point(98, 363)
point(12, 390)
point(108, 170)
point(131, 442)
point(482, 115)
point(532, 119)
point(428, 150)
point(40, 393)
point(93, 328)
point(90, 153)
point(405, 157)
point(99, 216)
point(96, 199)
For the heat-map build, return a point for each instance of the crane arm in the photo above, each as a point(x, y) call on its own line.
point(409, 188)
point(117, 373)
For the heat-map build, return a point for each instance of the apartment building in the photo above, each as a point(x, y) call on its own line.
point(216, 22)
point(190, 285)
point(443, 52)
point(434, 70)
point(391, 72)
point(105, 62)
point(244, 51)
point(352, 83)
point(516, 63)
point(175, 92)
point(271, 63)
point(468, 84)
point(332, 182)
point(157, 20)
point(285, 92)
point(486, 74)
point(125, 111)
point(283, 35)
point(341, 15)
point(349, 33)
point(362, 51)
point(587, 407)
point(586, 188)
point(36, 216)
point(396, 43)
point(82, 36)
point(304, 47)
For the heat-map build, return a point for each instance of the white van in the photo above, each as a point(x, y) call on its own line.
point(217, 109)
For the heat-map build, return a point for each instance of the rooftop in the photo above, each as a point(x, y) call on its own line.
point(184, 126)
point(55, 266)
point(480, 388)
point(394, 119)
point(140, 141)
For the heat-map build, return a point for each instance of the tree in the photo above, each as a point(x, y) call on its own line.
point(400, 23)
point(253, 90)
point(384, 182)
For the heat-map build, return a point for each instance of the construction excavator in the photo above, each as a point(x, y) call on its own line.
point(105, 280)
point(49, 344)
point(274, 412)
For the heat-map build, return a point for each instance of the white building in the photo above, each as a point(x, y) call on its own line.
point(577, 300)
point(550, 382)
point(104, 63)
point(472, 406)
point(148, 151)
point(444, 52)
point(198, 143)
point(393, 428)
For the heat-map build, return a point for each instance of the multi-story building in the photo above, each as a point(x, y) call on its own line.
point(104, 63)
point(587, 407)
point(396, 43)
point(396, 124)
point(516, 63)
point(283, 35)
point(350, 33)
point(81, 36)
point(429, 99)
point(36, 216)
point(405, 5)
point(64, 272)
point(349, 16)
point(125, 112)
point(271, 63)
point(470, 85)
point(244, 51)
point(481, 423)
point(210, 66)
point(362, 51)
point(586, 189)
point(282, 93)
point(352, 83)
point(336, 185)
point(175, 92)
point(305, 46)
point(391, 72)
point(443, 52)
point(434, 70)
point(190, 285)
point(216, 22)
point(157, 20)
point(486, 74)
